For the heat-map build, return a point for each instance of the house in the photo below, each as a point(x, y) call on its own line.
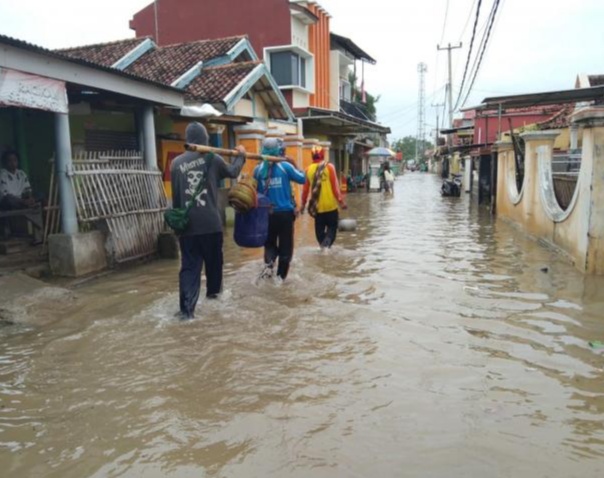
point(42, 94)
point(309, 63)
point(222, 74)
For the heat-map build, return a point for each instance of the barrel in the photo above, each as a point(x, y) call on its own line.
point(251, 228)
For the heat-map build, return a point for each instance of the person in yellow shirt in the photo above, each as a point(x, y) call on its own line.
point(325, 198)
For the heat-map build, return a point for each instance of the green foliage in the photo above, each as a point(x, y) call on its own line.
point(406, 145)
point(357, 96)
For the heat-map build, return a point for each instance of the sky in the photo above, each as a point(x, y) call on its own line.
point(535, 45)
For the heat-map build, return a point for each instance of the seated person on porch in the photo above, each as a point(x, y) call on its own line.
point(15, 190)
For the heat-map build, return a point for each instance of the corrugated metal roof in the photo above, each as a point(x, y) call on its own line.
point(351, 47)
point(546, 98)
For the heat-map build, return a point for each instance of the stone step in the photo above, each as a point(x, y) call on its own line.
point(14, 247)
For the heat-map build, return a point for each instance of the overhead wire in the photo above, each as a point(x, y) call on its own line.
point(483, 49)
point(463, 81)
point(407, 109)
point(465, 27)
point(442, 35)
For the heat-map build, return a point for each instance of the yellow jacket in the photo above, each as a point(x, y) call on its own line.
point(330, 194)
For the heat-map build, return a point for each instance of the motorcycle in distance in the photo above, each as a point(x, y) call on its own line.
point(451, 187)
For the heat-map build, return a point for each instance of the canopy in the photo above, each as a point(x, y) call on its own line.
point(384, 152)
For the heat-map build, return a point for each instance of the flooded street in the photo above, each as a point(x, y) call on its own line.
point(428, 343)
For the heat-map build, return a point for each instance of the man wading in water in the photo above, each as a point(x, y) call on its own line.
point(274, 182)
point(196, 178)
point(325, 195)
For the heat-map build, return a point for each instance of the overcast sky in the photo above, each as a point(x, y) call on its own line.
point(536, 45)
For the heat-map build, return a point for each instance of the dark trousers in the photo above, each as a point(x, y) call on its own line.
point(195, 251)
point(280, 242)
point(326, 228)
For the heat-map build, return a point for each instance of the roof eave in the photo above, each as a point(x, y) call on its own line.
point(22, 56)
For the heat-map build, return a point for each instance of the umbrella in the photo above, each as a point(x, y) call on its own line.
point(385, 152)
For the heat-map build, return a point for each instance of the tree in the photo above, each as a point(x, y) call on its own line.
point(406, 145)
point(357, 96)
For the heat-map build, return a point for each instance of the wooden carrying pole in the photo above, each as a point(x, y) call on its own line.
point(199, 148)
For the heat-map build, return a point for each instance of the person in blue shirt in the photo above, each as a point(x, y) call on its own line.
point(274, 181)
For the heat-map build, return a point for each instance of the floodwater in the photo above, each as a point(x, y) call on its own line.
point(428, 343)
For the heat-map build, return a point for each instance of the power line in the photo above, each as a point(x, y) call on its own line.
point(406, 109)
point(465, 72)
point(467, 21)
point(484, 47)
point(442, 35)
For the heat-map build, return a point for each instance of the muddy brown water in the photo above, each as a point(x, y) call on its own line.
point(428, 343)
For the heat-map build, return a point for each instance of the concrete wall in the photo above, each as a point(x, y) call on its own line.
point(299, 34)
point(578, 230)
point(266, 22)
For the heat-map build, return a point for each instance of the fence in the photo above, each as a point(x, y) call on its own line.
point(114, 192)
point(565, 172)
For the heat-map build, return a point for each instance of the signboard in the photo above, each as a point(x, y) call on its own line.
point(31, 91)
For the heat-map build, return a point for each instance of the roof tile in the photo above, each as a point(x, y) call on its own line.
point(215, 83)
point(105, 54)
point(167, 63)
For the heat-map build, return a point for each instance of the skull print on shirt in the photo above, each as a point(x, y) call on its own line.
point(194, 178)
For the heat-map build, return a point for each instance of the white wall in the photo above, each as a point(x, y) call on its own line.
point(299, 34)
point(246, 108)
point(300, 99)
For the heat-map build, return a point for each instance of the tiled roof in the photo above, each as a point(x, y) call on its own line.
point(105, 54)
point(215, 83)
point(596, 80)
point(166, 64)
point(72, 59)
point(560, 120)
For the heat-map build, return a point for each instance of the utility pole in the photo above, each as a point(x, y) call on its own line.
point(420, 139)
point(437, 132)
point(450, 83)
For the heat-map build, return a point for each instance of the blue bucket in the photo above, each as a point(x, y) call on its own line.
point(251, 228)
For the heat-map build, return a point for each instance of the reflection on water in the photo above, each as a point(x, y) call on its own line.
point(427, 343)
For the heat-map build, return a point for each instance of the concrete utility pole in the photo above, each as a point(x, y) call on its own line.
point(420, 139)
point(437, 106)
point(450, 83)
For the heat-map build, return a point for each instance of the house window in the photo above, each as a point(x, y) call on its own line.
point(345, 90)
point(288, 68)
point(303, 72)
point(281, 67)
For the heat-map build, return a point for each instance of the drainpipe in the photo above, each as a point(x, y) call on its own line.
point(69, 220)
point(149, 148)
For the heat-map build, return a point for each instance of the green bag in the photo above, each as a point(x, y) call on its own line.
point(178, 218)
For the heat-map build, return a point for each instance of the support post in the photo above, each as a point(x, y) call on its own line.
point(69, 220)
point(149, 146)
point(467, 180)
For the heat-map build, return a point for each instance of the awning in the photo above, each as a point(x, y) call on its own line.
point(321, 121)
point(351, 47)
point(32, 91)
point(456, 130)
